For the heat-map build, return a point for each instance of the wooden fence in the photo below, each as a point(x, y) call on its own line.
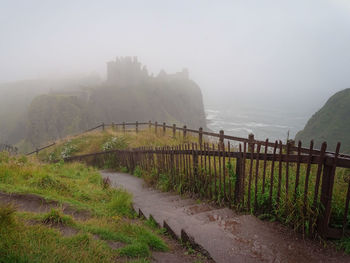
point(8, 148)
point(306, 188)
point(37, 150)
point(162, 128)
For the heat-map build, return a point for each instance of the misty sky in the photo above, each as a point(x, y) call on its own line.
point(275, 52)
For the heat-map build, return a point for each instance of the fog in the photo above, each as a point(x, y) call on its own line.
point(282, 54)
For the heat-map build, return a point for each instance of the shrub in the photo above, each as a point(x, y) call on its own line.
point(114, 143)
point(164, 183)
point(138, 171)
point(68, 150)
point(52, 157)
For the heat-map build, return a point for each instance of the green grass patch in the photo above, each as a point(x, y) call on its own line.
point(109, 216)
point(57, 217)
point(135, 250)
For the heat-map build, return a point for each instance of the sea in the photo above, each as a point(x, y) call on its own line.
point(263, 122)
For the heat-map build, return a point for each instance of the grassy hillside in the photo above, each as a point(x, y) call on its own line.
point(331, 123)
point(88, 221)
point(111, 139)
point(291, 211)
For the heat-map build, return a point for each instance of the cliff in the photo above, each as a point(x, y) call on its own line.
point(128, 94)
point(331, 123)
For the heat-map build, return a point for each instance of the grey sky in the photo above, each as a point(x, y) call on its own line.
point(237, 51)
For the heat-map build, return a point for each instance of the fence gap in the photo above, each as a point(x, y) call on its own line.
point(215, 175)
point(297, 175)
point(265, 162)
point(306, 184)
point(272, 174)
point(220, 170)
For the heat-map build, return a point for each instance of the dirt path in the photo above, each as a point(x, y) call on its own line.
point(225, 235)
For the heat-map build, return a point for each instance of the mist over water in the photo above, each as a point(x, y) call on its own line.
point(262, 122)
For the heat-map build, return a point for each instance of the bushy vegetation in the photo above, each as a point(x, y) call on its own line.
point(108, 215)
point(114, 143)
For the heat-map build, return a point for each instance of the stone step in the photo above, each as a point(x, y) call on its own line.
point(222, 233)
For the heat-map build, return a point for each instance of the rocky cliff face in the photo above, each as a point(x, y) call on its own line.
point(331, 123)
point(129, 94)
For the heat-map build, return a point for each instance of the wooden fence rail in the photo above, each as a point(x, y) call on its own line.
point(37, 150)
point(221, 136)
point(307, 188)
point(278, 183)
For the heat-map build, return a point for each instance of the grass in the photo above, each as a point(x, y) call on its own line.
point(57, 217)
point(110, 139)
point(30, 237)
point(285, 205)
point(288, 208)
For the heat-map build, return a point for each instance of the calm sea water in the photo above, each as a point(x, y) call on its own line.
point(262, 122)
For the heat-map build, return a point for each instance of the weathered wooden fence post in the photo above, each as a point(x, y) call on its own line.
point(155, 127)
point(124, 127)
point(326, 193)
point(172, 165)
point(132, 160)
point(251, 142)
point(37, 151)
point(174, 130)
point(221, 139)
point(200, 136)
point(326, 199)
point(103, 126)
point(164, 129)
point(184, 131)
point(137, 127)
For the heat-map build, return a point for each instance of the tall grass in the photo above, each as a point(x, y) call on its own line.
point(108, 214)
point(110, 139)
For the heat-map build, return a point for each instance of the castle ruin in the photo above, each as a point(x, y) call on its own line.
point(127, 71)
